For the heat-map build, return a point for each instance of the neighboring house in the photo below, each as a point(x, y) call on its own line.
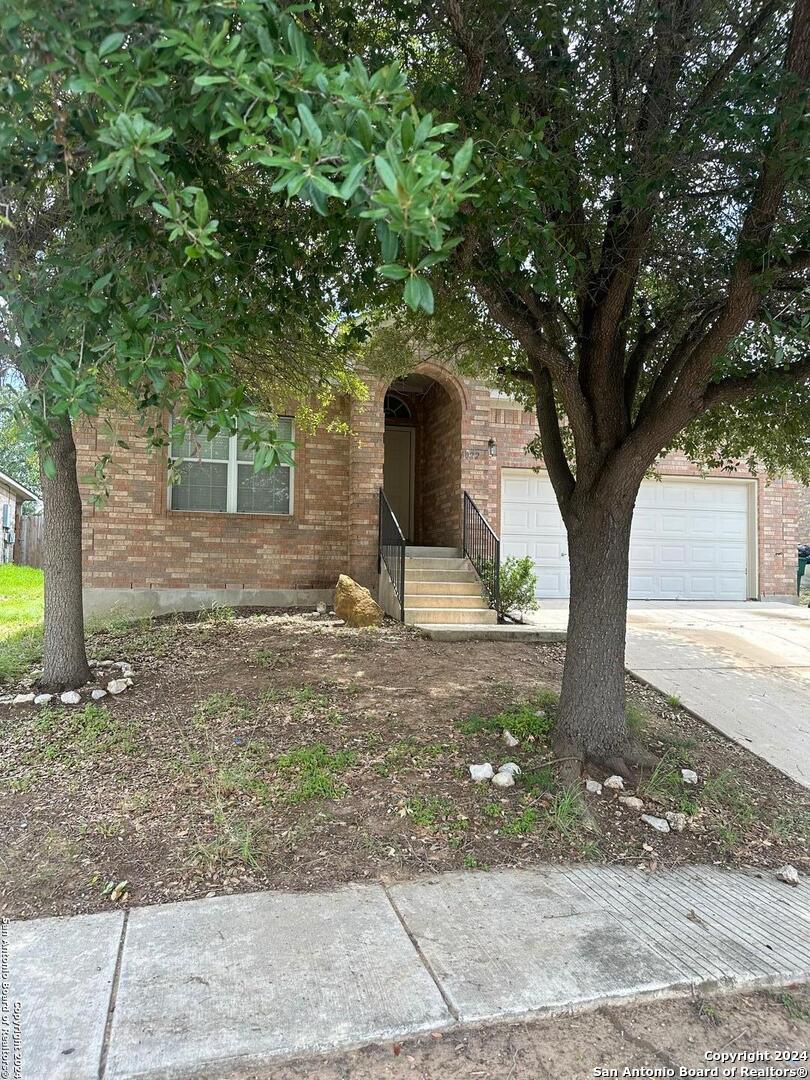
point(227, 536)
point(804, 515)
point(12, 496)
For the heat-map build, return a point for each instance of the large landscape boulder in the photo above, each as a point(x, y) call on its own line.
point(355, 605)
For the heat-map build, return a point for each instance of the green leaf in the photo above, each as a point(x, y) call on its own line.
point(200, 208)
point(352, 181)
point(110, 43)
point(386, 174)
point(49, 468)
point(462, 158)
point(393, 271)
point(210, 80)
point(312, 130)
point(418, 294)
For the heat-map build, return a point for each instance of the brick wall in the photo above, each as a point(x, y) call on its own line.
point(135, 541)
point(803, 498)
point(438, 469)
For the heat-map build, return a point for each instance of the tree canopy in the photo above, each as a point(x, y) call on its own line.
point(170, 175)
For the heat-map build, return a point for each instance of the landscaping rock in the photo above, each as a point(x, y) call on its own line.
point(43, 699)
point(632, 802)
point(23, 699)
point(117, 686)
point(98, 694)
point(482, 772)
point(689, 776)
point(510, 739)
point(614, 783)
point(322, 608)
point(503, 779)
point(658, 823)
point(593, 787)
point(510, 767)
point(70, 697)
point(789, 874)
point(676, 819)
point(355, 604)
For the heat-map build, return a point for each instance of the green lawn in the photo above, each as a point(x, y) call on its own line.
point(21, 606)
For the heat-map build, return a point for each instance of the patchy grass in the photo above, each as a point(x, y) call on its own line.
point(92, 731)
point(21, 611)
point(312, 772)
point(638, 719)
point(531, 719)
point(342, 756)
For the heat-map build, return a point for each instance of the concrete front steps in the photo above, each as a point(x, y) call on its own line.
point(442, 587)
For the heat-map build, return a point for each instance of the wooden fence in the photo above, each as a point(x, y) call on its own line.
point(28, 549)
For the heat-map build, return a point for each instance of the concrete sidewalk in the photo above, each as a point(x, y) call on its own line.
point(193, 989)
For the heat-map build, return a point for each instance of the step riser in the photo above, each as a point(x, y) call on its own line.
point(446, 588)
point(447, 615)
point(425, 601)
point(436, 564)
point(416, 552)
point(440, 575)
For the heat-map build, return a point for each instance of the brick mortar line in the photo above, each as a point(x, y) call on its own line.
point(105, 1042)
point(424, 960)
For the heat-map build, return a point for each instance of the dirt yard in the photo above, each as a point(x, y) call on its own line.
point(662, 1035)
point(265, 750)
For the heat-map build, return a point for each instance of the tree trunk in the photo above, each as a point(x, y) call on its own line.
point(591, 720)
point(64, 660)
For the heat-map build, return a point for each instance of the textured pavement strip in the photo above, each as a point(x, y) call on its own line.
point(187, 989)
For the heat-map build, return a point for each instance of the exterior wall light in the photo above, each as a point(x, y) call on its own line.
point(493, 447)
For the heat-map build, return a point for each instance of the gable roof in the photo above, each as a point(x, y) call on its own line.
point(18, 489)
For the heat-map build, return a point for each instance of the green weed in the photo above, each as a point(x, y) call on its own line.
point(637, 718)
point(524, 822)
point(566, 813)
point(529, 719)
point(312, 773)
point(91, 730)
point(427, 812)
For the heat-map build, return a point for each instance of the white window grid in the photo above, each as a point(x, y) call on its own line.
point(233, 462)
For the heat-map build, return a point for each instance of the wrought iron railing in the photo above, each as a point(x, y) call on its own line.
point(392, 551)
point(483, 548)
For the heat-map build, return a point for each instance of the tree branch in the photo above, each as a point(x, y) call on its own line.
point(739, 387)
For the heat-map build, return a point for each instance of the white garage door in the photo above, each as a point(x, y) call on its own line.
point(690, 539)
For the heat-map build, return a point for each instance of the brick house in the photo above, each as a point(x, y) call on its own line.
point(226, 536)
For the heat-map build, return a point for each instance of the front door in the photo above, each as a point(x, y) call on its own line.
point(398, 475)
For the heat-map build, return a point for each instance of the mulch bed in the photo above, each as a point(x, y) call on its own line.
point(281, 750)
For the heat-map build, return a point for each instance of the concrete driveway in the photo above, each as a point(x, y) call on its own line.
point(744, 668)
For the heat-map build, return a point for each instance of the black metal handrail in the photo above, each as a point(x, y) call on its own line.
point(392, 551)
point(482, 547)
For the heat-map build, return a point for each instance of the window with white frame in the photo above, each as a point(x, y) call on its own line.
point(216, 475)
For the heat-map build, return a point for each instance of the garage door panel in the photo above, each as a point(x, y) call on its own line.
point(690, 539)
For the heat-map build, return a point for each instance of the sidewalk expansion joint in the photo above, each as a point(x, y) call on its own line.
point(424, 960)
point(105, 1045)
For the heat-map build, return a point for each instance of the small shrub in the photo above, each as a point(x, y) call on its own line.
point(518, 585)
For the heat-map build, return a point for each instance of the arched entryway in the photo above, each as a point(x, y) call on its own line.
point(422, 458)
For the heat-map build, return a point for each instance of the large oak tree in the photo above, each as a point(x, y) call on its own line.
point(180, 185)
point(636, 258)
